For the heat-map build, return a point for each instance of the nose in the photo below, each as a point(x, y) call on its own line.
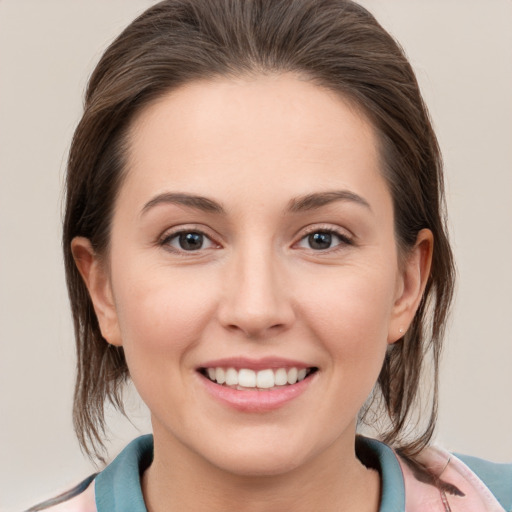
point(256, 300)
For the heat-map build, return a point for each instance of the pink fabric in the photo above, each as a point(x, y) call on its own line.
point(422, 497)
point(84, 502)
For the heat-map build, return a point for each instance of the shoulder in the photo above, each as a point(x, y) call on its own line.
point(466, 483)
point(497, 477)
point(115, 489)
point(78, 499)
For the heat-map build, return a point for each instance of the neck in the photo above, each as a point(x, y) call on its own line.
point(335, 480)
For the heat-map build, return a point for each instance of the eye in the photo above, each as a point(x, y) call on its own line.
point(322, 240)
point(188, 241)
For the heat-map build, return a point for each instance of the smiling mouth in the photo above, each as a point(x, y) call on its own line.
point(266, 379)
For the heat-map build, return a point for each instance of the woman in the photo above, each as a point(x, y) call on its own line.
point(254, 234)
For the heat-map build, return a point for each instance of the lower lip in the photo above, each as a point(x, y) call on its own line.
point(256, 401)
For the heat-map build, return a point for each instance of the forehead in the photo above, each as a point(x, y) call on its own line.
point(277, 129)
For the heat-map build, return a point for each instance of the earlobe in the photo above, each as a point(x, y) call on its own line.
point(413, 280)
point(96, 279)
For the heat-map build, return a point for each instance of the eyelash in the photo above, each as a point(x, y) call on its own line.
point(166, 239)
point(344, 239)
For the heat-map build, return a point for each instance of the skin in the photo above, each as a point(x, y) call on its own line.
point(257, 288)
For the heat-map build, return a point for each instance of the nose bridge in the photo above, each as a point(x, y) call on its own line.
point(255, 301)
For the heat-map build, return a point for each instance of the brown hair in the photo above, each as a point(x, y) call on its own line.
point(334, 43)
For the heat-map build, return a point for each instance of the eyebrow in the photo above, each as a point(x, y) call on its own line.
point(298, 204)
point(192, 201)
point(319, 199)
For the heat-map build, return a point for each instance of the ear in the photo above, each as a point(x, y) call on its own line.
point(96, 278)
point(414, 274)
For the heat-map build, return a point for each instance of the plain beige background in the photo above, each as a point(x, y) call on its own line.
point(462, 52)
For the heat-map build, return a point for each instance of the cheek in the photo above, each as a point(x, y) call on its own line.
point(350, 316)
point(160, 311)
point(161, 315)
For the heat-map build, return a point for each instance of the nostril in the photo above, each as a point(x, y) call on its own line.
point(255, 328)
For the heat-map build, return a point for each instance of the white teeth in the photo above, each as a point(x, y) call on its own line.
point(231, 377)
point(263, 379)
point(247, 378)
point(281, 377)
point(220, 375)
point(292, 376)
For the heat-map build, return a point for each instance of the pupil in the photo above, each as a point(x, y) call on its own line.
point(320, 240)
point(191, 241)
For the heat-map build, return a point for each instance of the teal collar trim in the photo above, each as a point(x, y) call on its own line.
point(118, 486)
point(392, 498)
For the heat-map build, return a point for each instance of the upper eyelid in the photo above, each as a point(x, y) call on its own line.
point(171, 233)
point(187, 228)
point(313, 228)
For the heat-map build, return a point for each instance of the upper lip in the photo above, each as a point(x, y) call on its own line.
point(255, 364)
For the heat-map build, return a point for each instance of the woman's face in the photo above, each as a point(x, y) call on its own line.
point(253, 239)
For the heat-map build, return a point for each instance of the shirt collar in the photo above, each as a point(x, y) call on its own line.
point(118, 486)
point(392, 498)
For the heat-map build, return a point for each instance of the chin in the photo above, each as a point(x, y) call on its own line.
point(260, 456)
point(265, 463)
